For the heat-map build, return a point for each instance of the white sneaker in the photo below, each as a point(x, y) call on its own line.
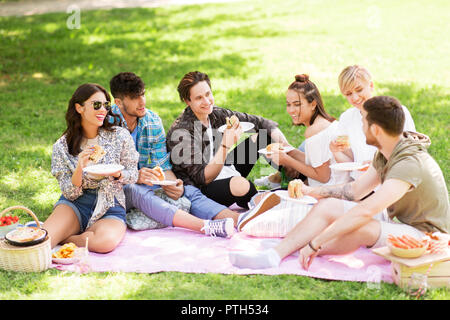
point(265, 182)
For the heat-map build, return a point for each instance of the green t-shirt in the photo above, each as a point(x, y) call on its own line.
point(425, 206)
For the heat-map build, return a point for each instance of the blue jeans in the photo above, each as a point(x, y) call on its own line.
point(84, 206)
point(142, 197)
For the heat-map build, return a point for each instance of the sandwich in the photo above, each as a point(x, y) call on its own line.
point(295, 189)
point(343, 141)
point(231, 121)
point(274, 147)
point(98, 153)
point(159, 173)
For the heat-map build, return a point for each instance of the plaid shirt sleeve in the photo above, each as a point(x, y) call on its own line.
point(151, 143)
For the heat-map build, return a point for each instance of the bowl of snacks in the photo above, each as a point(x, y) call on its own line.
point(406, 246)
point(66, 254)
point(7, 224)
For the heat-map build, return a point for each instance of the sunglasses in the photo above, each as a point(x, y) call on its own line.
point(98, 104)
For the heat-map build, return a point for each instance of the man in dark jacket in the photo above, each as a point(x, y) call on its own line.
point(201, 154)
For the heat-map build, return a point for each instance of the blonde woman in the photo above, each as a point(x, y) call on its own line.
point(355, 83)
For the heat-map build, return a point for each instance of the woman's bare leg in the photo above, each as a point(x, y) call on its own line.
point(104, 235)
point(61, 224)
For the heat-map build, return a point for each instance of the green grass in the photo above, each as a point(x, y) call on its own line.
point(251, 51)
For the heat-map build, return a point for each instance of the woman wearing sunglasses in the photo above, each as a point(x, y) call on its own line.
point(91, 206)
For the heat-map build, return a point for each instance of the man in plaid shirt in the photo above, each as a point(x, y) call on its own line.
point(150, 140)
point(147, 130)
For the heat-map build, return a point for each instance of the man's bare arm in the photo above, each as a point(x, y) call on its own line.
point(351, 191)
point(343, 191)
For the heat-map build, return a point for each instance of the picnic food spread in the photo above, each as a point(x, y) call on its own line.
point(66, 251)
point(230, 121)
point(98, 153)
point(159, 173)
point(295, 189)
point(26, 234)
point(274, 147)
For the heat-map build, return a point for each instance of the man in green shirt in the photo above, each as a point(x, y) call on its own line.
point(411, 188)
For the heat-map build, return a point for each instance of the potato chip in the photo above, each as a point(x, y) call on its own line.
point(66, 251)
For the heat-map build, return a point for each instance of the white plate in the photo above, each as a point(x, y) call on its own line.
point(104, 169)
point(285, 149)
point(348, 166)
point(283, 194)
point(164, 182)
point(63, 260)
point(244, 125)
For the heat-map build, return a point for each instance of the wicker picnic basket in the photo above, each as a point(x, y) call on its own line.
point(33, 258)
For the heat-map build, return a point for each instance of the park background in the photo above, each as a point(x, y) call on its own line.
point(251, 50)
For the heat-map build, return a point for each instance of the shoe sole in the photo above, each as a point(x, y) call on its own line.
point(271, 201)
point(230, 227)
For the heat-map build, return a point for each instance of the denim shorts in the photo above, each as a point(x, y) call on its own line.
point(84, 207)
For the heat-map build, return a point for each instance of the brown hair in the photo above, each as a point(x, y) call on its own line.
point(188, 81)
point(303, 86)
point(74, 130)
point(387, 112)
point(126, 84)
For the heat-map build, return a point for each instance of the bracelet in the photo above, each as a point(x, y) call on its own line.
point(313, 249)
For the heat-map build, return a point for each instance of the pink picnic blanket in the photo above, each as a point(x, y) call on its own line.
point(182, 250)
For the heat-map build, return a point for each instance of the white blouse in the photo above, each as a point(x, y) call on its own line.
point(317, 152)
point(350, 123)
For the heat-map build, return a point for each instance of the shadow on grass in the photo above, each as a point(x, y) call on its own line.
point(152, 42)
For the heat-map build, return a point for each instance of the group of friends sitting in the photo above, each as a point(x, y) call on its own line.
point(207, 162)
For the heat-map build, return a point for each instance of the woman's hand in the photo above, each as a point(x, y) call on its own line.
point(232, 135)
point(83, 157)
point(279, 158)
point(306, 256)
point(83, 161)
point(337, 147)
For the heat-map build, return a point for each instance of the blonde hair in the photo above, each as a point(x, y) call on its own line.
point(350, 74)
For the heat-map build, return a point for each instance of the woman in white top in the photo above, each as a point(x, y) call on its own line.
point(355, 83)
point(304, 105)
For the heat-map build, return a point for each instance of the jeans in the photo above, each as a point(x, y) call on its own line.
point(142, 197)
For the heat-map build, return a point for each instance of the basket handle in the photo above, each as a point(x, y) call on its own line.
point(23, 208)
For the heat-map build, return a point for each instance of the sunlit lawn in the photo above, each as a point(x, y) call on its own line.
point(251, 51)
